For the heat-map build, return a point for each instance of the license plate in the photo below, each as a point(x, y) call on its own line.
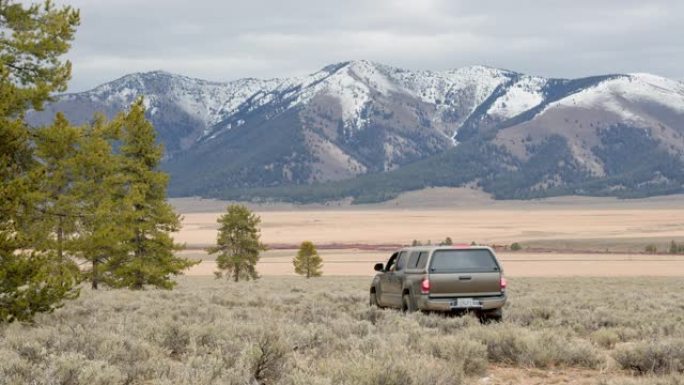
point(465, 303)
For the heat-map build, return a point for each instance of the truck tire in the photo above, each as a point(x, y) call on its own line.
point(374, 299)
point(407, 305)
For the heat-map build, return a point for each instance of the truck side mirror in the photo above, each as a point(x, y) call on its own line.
point(378, 267)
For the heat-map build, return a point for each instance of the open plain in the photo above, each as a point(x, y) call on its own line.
point(569, 236)
point(586, 305)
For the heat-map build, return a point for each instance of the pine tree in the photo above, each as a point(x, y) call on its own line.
point(308, 262)
point(102, 229)
point(32, 40)
point(237, 243)
point(151, 219)
point(53, 179)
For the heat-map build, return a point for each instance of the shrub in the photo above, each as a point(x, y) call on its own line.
point(100, 373)
point(295, 332)
point(175, 339)
point(516, 346)
point(651, 249)
point(14, 369)
point(471, 356)
point(606, 338)
point(269, 358)
point(676, 248)
point(661, 357)
point(515, 246)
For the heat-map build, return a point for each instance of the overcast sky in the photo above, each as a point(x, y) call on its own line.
point(229, 39)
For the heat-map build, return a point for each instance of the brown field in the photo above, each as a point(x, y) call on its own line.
point(561, 236)
point(360, 263)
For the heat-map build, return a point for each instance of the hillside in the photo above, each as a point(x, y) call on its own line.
point(370, 131)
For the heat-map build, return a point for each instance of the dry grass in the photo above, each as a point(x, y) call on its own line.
point(321, 331)
point(352, 262)
point(582, 227)
point(579, 231)
point(465, 216)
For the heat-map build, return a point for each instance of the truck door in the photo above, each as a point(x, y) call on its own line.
point(395, 279)
point(384, 282)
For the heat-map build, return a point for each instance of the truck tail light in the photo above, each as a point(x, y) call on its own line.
point(502, 283)
point(425, 286)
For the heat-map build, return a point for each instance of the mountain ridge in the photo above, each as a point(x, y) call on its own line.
point(355, 118)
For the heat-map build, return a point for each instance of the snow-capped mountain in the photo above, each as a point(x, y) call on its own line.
point(650, 106)
point(360, 117)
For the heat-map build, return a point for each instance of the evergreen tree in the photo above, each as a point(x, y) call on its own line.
point(53, 180)
point(447, 242)
point(32, 40)
point(103, 232)
point(34, 282)
point(150, 218)
point(237, 243)
point(308, 262)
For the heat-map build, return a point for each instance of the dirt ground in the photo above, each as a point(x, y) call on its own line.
point(561, 237)
point(530, 376)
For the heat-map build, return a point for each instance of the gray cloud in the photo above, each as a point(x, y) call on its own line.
point(225, 40)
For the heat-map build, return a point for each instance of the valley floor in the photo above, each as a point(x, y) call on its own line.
point(356, 262)
point(567, 236)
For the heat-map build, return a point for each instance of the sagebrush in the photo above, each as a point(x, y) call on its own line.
point(279, 330)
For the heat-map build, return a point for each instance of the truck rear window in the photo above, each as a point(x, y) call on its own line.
point(463, 261)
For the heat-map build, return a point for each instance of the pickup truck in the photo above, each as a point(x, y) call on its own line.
point(451, 279)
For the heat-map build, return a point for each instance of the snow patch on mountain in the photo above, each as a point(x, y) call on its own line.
point(207, 101)
point(655, 88)
point(616, 95)
point(520, 97)
point(464, 87)
point(352, 83)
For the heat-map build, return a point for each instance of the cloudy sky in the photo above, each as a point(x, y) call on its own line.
point(230, 39)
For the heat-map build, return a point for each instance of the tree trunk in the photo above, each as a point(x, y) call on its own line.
point(95, 278)
point(139, 253)
point(60, 238)
point(308, 267)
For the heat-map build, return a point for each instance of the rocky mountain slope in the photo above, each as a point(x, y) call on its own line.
point(352, 125)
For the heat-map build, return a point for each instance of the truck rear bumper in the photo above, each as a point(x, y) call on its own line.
point(427, 303)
